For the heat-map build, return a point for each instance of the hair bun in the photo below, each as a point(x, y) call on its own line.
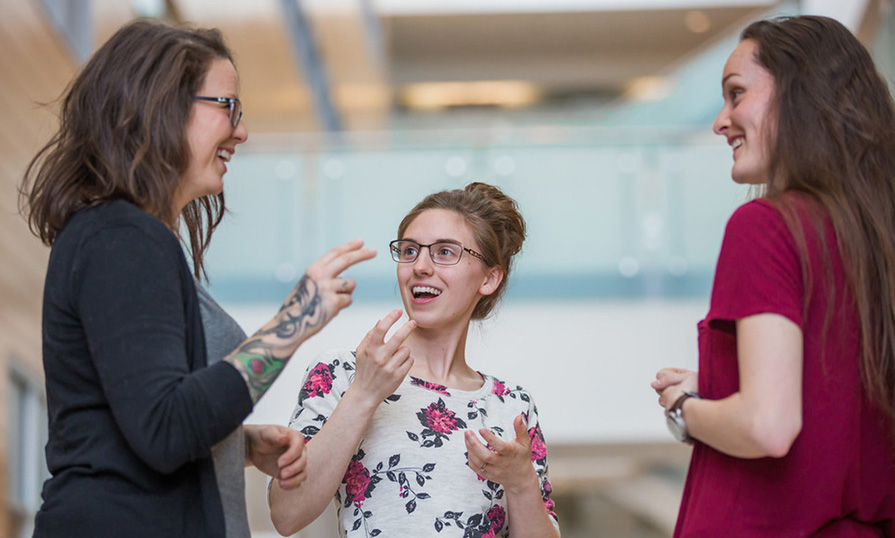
point(509, 224)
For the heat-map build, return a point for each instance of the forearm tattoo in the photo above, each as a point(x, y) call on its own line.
point(261, 358)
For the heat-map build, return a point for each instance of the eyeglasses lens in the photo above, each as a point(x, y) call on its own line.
point(235, 112)
point(441, 253)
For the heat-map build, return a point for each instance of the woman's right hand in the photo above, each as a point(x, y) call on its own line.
point(322, 293)
point(383, 365)
point(315, 300)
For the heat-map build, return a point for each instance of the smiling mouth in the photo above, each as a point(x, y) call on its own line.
point(224, 155)
point(425, 292)
point(737, 143)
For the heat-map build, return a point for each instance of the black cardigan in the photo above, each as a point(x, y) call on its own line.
point(133, 409)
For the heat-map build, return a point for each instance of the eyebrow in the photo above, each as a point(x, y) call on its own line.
point(724, 80)
point(442, 240)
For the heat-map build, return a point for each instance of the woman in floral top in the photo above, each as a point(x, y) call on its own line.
point(403, 433)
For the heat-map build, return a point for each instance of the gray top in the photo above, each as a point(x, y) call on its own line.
point(222, 336)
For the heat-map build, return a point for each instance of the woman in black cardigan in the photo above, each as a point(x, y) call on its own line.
point(147, 129)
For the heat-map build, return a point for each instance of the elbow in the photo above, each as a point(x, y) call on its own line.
point(162, 460)
point(285, 521)
point(284, 525)
point(774, 438)
point(282, 528)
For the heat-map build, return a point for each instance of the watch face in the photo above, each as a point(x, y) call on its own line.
point(677, 427)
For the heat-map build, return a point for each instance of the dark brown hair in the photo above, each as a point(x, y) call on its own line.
point(496, 224)
point(122, 133)
point(835, 142)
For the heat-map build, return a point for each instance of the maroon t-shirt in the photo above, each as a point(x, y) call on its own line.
point(838, 479)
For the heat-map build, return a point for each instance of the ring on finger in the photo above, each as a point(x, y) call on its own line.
point(482, 468)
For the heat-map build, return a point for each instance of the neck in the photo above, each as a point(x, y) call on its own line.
point(440, 357)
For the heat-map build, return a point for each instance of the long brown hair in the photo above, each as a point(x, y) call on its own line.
point(835, 142)
point(496, 224)
point(122, 133)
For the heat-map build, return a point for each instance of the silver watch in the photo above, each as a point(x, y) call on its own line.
point(674, 417)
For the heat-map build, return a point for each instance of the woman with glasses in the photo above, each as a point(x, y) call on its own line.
point(792, 412)
point(148, 380)
point(403, 434)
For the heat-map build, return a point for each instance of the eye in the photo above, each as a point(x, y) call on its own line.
point(409, 251)
point(447, 251)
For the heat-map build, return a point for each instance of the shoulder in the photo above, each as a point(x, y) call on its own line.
point(117, 242)
point(756, 212)
point(506, 389)
point(339, 357)
point(333, 366)
point(760, 225)
point(121, 222)
point(789, 207)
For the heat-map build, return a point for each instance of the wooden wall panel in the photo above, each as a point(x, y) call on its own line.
point(34, 69)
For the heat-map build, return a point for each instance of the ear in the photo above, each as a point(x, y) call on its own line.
point(493, 278)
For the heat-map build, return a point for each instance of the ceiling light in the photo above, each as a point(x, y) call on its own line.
point(648, 89)
point(697, 21)
point(438, 95)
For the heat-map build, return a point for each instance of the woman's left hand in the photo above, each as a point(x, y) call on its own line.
point(277, 451)
point(506, 463)
point(671, 383)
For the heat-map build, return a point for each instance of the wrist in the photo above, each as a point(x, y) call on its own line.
point(526, 481)
point(674, 417)
point(363, 401)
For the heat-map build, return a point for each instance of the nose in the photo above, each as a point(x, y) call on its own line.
point(423, 263)
point(240, 132)
point(722, 121)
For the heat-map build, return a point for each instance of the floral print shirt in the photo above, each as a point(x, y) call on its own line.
point(409, 476)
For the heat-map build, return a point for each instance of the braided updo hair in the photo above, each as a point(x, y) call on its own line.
point(496, 224)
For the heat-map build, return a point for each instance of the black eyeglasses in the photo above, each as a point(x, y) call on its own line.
point(233, 102)
point(442, 253)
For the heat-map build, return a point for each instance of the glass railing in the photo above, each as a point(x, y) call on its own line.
point(626, 213)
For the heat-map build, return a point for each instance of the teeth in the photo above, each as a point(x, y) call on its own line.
point(425, 289)
point(224, 154)
point(737, 143)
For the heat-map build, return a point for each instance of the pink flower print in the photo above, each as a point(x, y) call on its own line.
point(441, 389)
point(550, 505)
point(357, 480)
point(320, 381)
point(548, 502)
point(538, 447)
point(500, 389)
point(438, 423)
point(439, 418)
point(497, 517)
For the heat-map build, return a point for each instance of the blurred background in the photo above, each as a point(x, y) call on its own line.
point(594, 114)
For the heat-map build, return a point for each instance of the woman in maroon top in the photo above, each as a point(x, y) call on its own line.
point(792, 412)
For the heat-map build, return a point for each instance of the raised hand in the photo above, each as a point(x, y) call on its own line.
point(277, 451)
point(507, 463)
point(316, 299)
point(382, 365)
point(322, 292)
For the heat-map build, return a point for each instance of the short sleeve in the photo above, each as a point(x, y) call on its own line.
point(539, 459)
point(759, 270)
point(322, 388)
